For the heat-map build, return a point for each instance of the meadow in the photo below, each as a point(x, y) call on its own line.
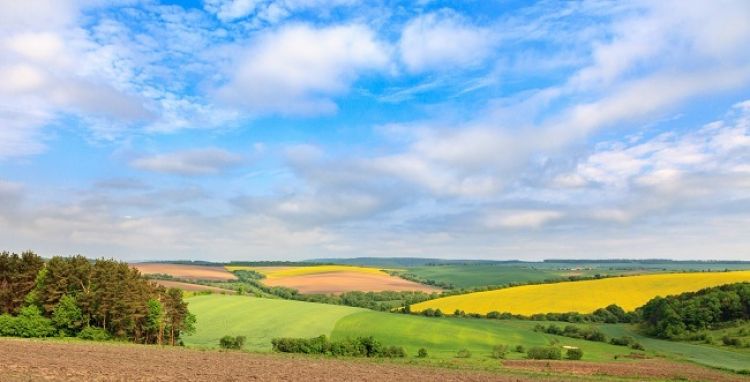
point(261, 319)
point(582, 296)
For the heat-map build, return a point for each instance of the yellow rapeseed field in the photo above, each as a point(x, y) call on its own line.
point(582, 296)
point(277, 272)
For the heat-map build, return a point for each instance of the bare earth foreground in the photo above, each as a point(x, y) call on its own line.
point(25, 360)
point(34, 360)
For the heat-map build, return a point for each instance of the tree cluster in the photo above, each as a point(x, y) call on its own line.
point(96, 300)
point(359, 347)
point(676, 316)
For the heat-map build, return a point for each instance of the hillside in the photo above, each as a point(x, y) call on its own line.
point(582, 296)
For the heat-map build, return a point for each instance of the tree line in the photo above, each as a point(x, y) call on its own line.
point(676, 316)
point(73, 296)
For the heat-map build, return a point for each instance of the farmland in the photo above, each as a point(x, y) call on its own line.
point(325, 279)
point(188, 272)
point(627, 292)
point(260, 320)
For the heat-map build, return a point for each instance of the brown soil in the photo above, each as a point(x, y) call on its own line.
point(25, 360)
point(195, 272)
point(652, 368)
point(339, 282)
point(191, 287)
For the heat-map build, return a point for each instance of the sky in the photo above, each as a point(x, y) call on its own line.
point(295, 129)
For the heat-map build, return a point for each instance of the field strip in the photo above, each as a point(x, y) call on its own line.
point(629, 292)
point(260, 319)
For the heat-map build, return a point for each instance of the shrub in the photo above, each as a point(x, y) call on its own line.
point(463, 353)
point(360, 347)
point(544, 352)
point(93, 334)
point(393, 352)
point(31, 323)
point(7, 325)
point(499, 351)
point(67, 315)
point(731, 341)
point(422, 353)
point(574, 354)
point(520, 349)
point(622, 341)
point(637, 346)
point(234, 343)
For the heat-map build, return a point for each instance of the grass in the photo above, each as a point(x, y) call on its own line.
point(582, 296)
point(475, 275)
point(259, 319)
point(443, 337)
point(723, 357)
point(279, 272)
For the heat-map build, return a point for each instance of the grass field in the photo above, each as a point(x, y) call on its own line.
point(716, 356)
point(582, 296)
point(443, 337)
point(260, 319)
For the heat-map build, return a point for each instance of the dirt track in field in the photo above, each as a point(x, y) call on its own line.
point(191, 287)
point(340, 282)
point(24, 360)
point(195, 272)
point(651, 368)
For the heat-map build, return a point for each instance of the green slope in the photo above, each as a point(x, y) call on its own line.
point(443, 337)
point(260, 319)
point(721, 357)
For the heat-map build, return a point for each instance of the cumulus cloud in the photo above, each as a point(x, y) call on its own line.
point(443, 40)
point(297, 69)
point(270, 11)
point(209, 161)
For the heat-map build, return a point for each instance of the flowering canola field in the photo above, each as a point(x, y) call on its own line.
point(582, 296)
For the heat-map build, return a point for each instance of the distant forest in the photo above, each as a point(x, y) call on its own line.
point(100, 299)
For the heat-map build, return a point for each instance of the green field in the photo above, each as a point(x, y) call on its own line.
point(443, 337)
point(477, 275)
point(260, 319)
point(716, 356)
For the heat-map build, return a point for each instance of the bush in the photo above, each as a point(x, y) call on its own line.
point(93, 334)
point(31, 323)
point(520, 349)
point(731, 341)
point(499, 351)
point(422, 353)
point(463, 353)
point(622, 341)
point(637, 346)
point(7, 325)
point(360, 347)
point(574, 354)
point(393, 352)
point(544, 352)
point(67, 316)
point(233, 343)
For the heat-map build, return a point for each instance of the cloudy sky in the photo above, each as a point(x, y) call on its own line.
point(293, 129)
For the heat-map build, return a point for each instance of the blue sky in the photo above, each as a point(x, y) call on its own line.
point(293, 129)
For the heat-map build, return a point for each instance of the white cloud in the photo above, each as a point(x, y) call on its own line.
point(442, 41)
point(297, 69)
point(208, 161)
point(270, 11)
point(521, 219)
